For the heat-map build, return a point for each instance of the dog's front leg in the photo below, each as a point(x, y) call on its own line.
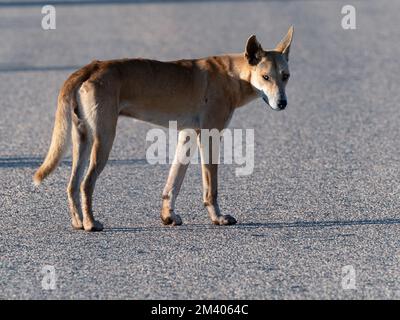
point(209, 152)
point(186, 143)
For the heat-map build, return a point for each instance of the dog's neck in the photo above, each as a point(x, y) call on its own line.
point(238, 68)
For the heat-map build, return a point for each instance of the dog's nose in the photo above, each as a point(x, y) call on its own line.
point(282, 103)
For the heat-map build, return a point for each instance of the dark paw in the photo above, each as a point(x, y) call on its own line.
point(174, 220)
point(93, 226)
point(225, 220)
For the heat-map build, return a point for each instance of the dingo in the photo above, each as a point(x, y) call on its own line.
point(198, 94)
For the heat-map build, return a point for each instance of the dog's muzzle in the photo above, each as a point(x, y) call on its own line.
point(280, 105)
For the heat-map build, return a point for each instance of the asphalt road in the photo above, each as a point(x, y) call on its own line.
point(325, 189)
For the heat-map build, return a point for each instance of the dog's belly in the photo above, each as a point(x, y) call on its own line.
point(162, 117)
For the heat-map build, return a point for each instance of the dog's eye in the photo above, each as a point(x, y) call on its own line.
point(285, 76)
point(266, 77)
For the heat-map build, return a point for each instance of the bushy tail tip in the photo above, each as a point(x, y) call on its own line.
point(37, 179)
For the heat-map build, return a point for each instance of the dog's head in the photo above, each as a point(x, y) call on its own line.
point(270, 70)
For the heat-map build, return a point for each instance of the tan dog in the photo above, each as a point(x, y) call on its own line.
point(198, 94)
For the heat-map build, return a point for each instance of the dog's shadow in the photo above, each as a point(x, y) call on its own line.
point(272, 225)
point(35, 162)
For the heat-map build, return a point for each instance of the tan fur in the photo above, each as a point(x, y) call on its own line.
point(62, 125)
point(198, 94)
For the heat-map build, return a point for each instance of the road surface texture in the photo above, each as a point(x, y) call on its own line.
point(324, 193)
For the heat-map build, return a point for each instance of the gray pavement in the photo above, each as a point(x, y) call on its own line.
point(325, 189)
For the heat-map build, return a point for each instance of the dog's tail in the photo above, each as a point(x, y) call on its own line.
point(63, 122)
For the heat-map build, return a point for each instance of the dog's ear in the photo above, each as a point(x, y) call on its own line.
point(253, 51)
point(284, 46)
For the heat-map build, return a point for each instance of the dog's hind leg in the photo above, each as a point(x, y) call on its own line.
point(102, 143)
point(186, 143)
point(100, 110)
point(80, 156)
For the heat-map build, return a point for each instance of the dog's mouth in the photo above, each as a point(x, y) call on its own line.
point(265, 98)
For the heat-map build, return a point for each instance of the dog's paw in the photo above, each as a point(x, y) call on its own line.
point(225, 220)
point(77, 224)
point(174, 220)
point(93, 226)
